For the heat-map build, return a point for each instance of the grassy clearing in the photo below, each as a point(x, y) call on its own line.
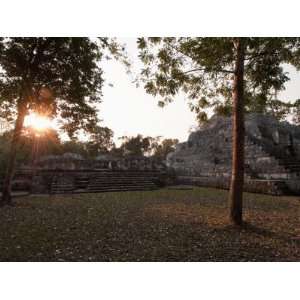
point(163, 225)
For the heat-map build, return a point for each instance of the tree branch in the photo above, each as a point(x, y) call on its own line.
point(209, 70)
point(198, 69)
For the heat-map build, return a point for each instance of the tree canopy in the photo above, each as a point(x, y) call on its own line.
point(145, 146)
point(59, 77)
point(136, 145)
point(46, 144)
point(55, 77)
point(203, 68)
point(100, 141)
point(226, 75)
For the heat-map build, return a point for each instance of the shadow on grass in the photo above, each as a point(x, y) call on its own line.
point(248, 227)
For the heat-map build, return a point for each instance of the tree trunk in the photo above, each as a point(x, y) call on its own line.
point(6, 192)
point(238, 137)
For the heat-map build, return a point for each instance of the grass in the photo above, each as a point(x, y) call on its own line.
point(163, 225)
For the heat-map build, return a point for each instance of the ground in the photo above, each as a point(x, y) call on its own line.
point(164, 225)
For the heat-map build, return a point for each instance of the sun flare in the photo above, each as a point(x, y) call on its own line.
point(38, 122)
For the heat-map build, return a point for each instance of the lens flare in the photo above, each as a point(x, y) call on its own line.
point(38, 122)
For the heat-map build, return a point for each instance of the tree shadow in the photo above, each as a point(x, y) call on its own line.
point(248, 227)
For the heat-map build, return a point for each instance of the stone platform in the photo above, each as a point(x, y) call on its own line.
point(89, 181)
point(272, 155)
point(261, 186)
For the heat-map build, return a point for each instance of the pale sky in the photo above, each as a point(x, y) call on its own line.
point(129, 110)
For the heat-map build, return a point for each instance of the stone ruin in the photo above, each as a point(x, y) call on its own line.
point(71, 173)
point(272, 155)
point(72, 161)
point(272, 163)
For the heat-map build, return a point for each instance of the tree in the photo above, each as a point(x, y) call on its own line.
point(74, 146)
point(32, 145)
point(213, 72)
point(295, 61)
point(145, 146)
point(4, 152)
point(266, 104)
point(164, 147)
point(136, 145)
point(296, 112)
point(57, 77)
point(35, 144)
point(100, 141)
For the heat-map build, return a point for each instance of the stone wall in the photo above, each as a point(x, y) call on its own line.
point(272, 152)
point(271, 187)
point(74, 181)
point(76, 162)
point(71, 172)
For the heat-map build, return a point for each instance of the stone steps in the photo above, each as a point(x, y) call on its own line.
point(115, 174)
point(103, 188)
point(60, 189)
point(106, 181)
point(81, 183)
point(60, 184)
point(121, 182)
point(115, 180)
point(292, 165)
point(121, 188)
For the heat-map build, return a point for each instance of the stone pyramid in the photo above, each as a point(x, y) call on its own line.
point(272, 155)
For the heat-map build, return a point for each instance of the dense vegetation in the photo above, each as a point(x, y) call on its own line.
point(55, 77)
point(48, 142)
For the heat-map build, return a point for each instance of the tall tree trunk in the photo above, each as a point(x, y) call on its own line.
point(238, 137)
point(6, 192)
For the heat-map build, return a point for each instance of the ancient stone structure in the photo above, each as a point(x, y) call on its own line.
point(272, 163)
point(272, 150)
point(71, 173)
point(71, 161)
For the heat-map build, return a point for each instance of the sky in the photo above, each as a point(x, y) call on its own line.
point(129, 110)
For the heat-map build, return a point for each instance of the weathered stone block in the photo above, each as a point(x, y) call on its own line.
point(272, 152)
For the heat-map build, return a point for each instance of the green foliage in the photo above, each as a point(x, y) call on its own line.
point(296, 112)
point(135, 145)
point(74, 146)
point(34, 145)
point(145, 146)
point(100, 141)
point(38, 144)
point(280, 110)
point(31, 146)
point(58, 77)
point(163, 147)
point(203, 68)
